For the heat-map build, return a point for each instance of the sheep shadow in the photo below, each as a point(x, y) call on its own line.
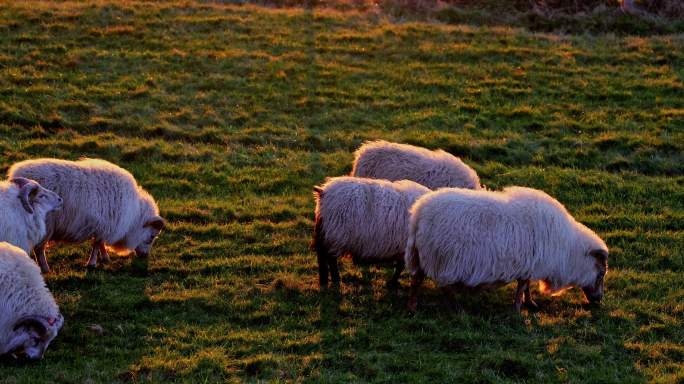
point(364, 329)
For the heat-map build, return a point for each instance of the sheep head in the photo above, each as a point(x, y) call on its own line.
point(594, 292)
point(148, 234)
point(31, 336)
point(32, 196)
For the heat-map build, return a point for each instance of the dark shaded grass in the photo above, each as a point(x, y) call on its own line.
point(228, 115)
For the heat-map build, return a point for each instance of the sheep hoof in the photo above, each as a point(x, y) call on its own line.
point(531, 305)
point(91, 267)
point(392, 284)
point(44, 269)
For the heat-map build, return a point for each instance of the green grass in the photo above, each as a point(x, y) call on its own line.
point(229, 115)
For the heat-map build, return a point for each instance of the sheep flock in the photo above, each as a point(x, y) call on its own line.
point(402, 206)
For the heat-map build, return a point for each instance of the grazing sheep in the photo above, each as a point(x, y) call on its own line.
point(29, 316)
point(434, 169)
point(475, 238)
point(365, 218)
point(102, 202)
point(25, 205)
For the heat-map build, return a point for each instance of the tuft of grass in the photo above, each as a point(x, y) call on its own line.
point(229, 114)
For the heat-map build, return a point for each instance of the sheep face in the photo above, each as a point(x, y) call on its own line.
point(589, 274)
point(32, 336)
point(594, 290)
point(46, 200)
point(145, 237)
point(36, 198)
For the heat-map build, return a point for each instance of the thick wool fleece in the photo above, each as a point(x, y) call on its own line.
point(366, 218)
point(433, 169)
point(484, 237)
point(101, 200)
point(22, 292)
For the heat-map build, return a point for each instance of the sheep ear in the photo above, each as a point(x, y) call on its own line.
point(20, 181)
point(600, 255)
point(156, 222)
point(37, 323)
point(27, 188)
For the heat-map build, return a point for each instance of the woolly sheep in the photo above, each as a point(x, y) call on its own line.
point(29, 316)
point(365, 218)
point(475, 238)
point(25, 205)
point(434, 169)
point(102, 202)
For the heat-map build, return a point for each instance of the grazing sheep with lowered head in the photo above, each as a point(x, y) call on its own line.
point(434, 169)
point(102, 202)
point(29, 316)
point(25, 204)
point(474, 238)
point(366, 218)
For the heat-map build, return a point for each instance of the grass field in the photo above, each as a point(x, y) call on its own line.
point(229, 115)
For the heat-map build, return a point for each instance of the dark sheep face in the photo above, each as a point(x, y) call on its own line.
point(594, 292)
point(32, 336)
point(148, 234)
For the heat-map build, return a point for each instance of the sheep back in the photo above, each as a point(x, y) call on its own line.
point(392, 161)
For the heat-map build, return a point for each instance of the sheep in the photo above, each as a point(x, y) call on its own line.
point(102, 202)
point(29, 317)
point(366, 218)
point(476, 238)
point(434, 169)
point(25, 204)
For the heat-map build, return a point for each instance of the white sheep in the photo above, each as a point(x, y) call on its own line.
point(434, 169)
point(102, 202)
point(29, 316)
point(25, 204)
point(366, 218)
point(476, 238)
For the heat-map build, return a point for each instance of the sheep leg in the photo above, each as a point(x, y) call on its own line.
point(529, 303)
point(103, 253)
point(334, 270)
point(520, 293)
point(322, 257)
point(94, 251)
point(41, 259)
point(416, 282)
point(393, 283)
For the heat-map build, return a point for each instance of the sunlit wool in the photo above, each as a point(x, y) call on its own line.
point(366, 218)
point(102, 202)
point(484, 237)
point(433, 169)
point(18, 226)
point(27, 308)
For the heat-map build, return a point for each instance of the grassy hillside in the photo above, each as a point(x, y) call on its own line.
point(229, 114)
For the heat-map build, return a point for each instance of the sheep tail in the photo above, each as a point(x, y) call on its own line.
point(321, 252)
point(411, 256)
